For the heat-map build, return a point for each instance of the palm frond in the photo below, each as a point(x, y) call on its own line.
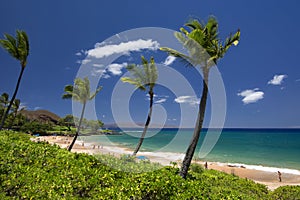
point(212, 28)
point(67, 96)
point(153, 76)
point(232, 40)
point(137, 73)
point(134, 82)
point(17, 47)
point(23, 46)
point(10, 48)
point(80, 91)
point(68, 88)
point(194, 24)
point(96, 92)
point(178, 54)
point(11, 39)
point(180, 37)
point(147, 70)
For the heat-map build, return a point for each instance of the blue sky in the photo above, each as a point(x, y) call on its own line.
point(59, 30)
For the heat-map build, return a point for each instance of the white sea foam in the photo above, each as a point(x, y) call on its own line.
point(118, 150)
point(165, 155)
point(262, 168)
point(169, 156)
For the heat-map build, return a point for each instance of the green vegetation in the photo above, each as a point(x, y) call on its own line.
point(144, 79)
point(31, 170)
point(67, 121)
point(4, 101)
point(18, 48)
point(36, 127)
point(80, 92)
point(205, 49)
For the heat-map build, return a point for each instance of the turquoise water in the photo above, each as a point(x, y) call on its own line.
point(266, 147)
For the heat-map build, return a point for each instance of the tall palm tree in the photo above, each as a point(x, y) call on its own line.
point(205, 49)
point(18, 48)
point(79, 92)
point(144, 78)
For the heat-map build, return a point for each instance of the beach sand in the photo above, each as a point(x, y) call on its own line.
point(268, 178)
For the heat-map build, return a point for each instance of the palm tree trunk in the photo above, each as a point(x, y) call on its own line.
point(78, 128)
point(146, 125)
point(192, 147)
point(13, 98)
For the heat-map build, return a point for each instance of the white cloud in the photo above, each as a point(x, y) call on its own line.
point(192, 100)
point(37, 108)
point(22, 106)
point(98, 65)
point(277, 79)
point(169, 60)
point(85, 61)
point(106, 76)
point(298, 80)
point(160, 101)
point(155, 95)
point(81, 53)
point(124, 48)
point(251, 96)
point(115, 68)
point(97, 72)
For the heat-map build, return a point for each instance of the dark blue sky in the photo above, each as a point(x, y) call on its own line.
point(58, 30)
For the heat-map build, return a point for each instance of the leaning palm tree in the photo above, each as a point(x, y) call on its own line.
point(79, 92)
point(204, 49)
point(144, 78)
point(18, 48)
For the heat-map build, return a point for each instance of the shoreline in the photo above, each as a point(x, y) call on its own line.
point(258, 173)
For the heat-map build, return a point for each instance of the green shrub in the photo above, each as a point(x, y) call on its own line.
point(31, 170)
point(197, 168)
point(286, 193)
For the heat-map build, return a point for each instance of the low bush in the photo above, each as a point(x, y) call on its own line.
point(31, 170)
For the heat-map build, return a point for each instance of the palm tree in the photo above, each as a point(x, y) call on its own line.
point(144, 79)
point(205, 49)
point(79, 92)
point(18, 48)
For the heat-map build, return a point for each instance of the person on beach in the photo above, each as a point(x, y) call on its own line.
point(279, 176)
point(205, 165)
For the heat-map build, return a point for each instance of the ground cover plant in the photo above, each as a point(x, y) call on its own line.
point(31, 170)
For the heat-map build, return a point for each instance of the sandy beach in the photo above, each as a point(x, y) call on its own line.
point(266, 176)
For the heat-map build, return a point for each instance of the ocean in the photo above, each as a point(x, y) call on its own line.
point(254, 148)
